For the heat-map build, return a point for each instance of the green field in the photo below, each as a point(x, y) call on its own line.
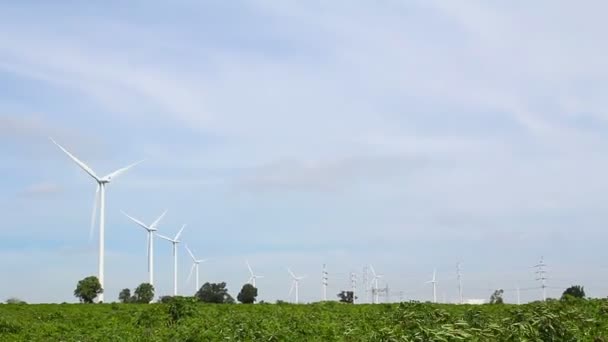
point(583, 320)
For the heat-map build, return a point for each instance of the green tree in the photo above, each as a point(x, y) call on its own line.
point(88, 289)
point(214, 293)
point(15, 300)
point(347, 297)
point(248, 294)
point(574, 291)
point(124, 296)
point(496, 297)
point(144, 293)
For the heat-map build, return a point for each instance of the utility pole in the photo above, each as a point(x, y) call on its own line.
point(459, 276)
point(541, 275)
point(324, 282)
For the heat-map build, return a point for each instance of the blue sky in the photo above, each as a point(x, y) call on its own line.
point(405, 134)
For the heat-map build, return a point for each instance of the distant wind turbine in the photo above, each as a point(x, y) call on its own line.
point(100, 197)
point(174, 242)
point(195, 264)
point(150, 229)
point(434, 282)
point(376, 298)
point(295, 283)
point(253, 276)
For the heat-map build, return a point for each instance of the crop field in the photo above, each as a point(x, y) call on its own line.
point(184, 320)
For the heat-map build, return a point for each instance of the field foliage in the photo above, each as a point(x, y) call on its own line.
point(186, 320)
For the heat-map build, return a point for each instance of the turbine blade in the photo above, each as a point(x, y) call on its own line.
point(143, 225)
point(155, 223)
point(190, 252)
point(179, 233)
point(249, 267)
point(164, 237)
point(291, 273)
point(258, 276)
point(373, 271)
point(94, 213)
point(77, 161)
point(121, 171)
point(191, 271)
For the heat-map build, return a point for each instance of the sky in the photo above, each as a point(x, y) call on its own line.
point(407, 135)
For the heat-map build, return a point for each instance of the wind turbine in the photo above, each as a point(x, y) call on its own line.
point(434, 282)
point(174, 242)
point(295, 283)
point(253, 276)
point(150, 229)
point(195, 264)
point(376, 297)
point(100, 197)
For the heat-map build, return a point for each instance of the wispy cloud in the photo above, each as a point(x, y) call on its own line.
point(41, 189)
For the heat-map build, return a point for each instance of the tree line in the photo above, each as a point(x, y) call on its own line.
point(89, 288)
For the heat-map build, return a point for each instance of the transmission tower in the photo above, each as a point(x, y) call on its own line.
point(541, 275)
point(353, 285)
point(324, 282)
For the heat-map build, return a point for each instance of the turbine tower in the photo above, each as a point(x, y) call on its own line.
point(434, 282)
point(295, 284)
point(174, 242)
point(150, 229)
point(324, 282)
point(253, 276)
point(459, 277)
point(100, 197)
point(376, 298)
point(195, 264)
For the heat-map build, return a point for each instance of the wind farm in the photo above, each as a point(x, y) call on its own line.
point(303, 171)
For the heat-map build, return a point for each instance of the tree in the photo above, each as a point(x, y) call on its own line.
point(88, 289)
point(214, 293)
point(15, 300)
point(347, 297)
point(144, 293)
point(496, 297)
point(247, 294)
point(574, 291)
point(124, 296)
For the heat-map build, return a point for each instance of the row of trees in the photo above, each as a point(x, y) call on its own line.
point(573, 292)
point(89, 288)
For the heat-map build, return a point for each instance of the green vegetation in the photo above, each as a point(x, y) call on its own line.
point(215, 293)
point(88, 289)
point(248, 294)
point(186, 319)
point(496, 297)
point(575, 291)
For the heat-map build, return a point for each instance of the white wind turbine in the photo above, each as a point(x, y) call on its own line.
point(253, 276)
point(195, 264)
point(434, 282)
point(295, 283)
point(100, 197)
point(174, 242)
point(376, 297)
point(150, 229)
